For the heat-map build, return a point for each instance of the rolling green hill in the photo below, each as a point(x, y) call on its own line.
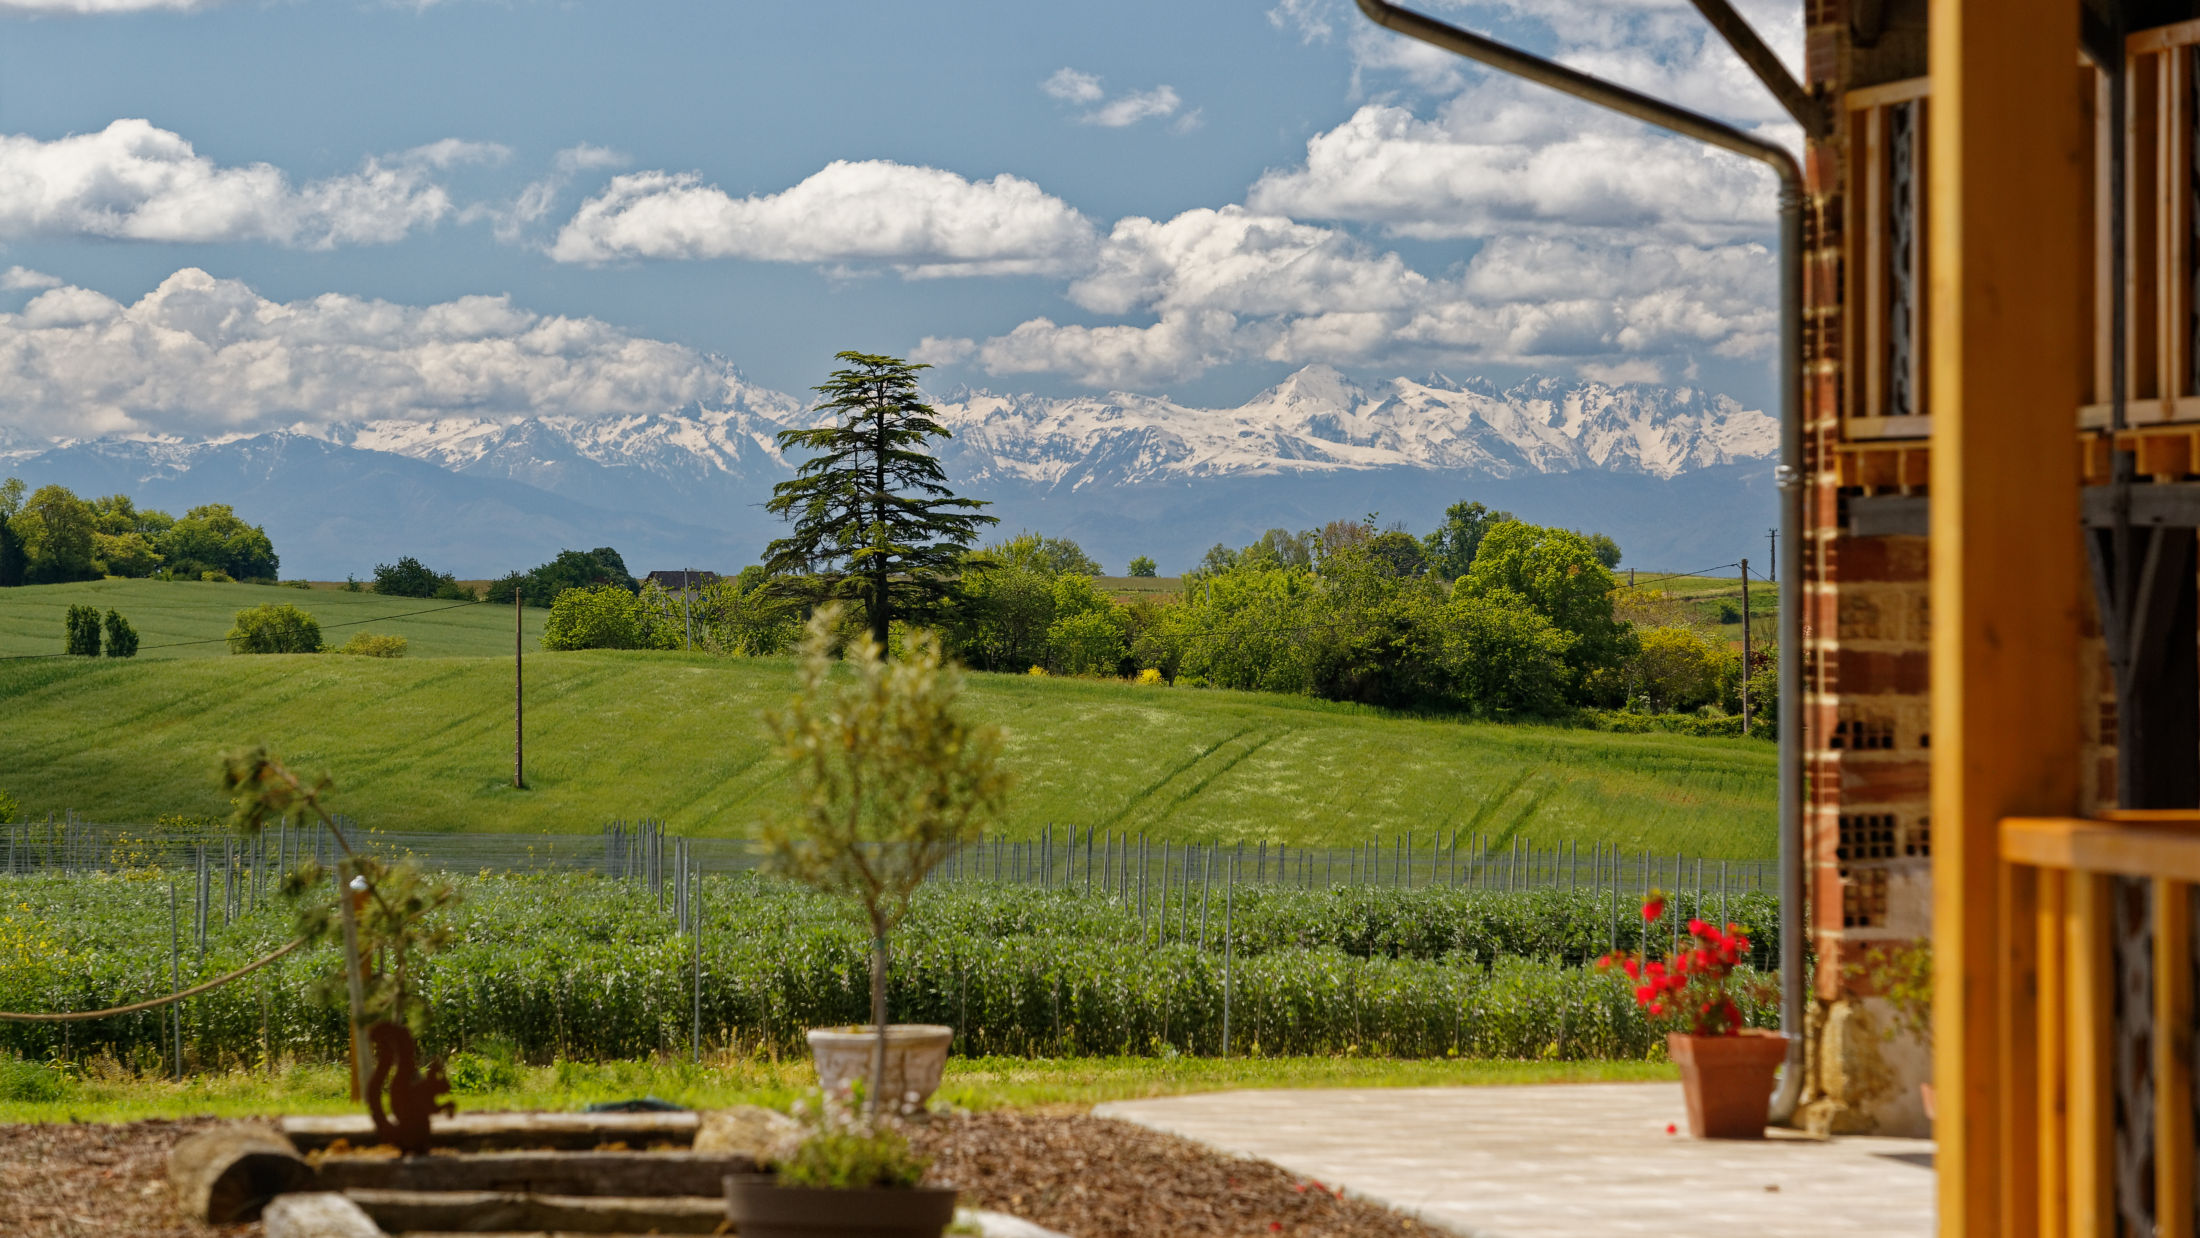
point(192, 617)
point(425, 742)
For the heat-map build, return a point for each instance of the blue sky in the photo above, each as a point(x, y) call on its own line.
point(493, 209)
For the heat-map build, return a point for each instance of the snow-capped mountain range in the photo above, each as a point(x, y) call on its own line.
point(1127, 474)
point(1314, 421)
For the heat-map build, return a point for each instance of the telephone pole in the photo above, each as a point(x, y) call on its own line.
point(519, 699)
point(1774, 534)
point(1745, 646)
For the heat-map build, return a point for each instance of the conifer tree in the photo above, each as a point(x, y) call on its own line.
point(874, 521)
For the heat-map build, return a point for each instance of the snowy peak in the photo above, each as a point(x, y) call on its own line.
point(1319, 421)
point(1316, 421)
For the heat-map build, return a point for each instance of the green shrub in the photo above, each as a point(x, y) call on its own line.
point(10, 810)
point(29, 1082)
point(491, 1066)
point(217, 577)
point(374, 645)
point(81, 630)
point(275, 627)
point(122, 639)
point(603, 617)
point(852, 1160)
point(582, 967)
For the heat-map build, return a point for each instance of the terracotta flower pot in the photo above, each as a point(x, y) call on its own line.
point(916, 1054)
point(1727, 1080)
point(761, 1208)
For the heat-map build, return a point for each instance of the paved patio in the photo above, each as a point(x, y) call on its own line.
point(1562, 1161)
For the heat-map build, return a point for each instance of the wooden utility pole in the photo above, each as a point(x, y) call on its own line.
point(1745, 646)
point(1773, 535)
point(687, 604)
point(519, 697)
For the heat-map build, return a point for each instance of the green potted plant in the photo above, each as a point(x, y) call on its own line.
point(846, 1176)
point(1727, 1069)
point(889, 782)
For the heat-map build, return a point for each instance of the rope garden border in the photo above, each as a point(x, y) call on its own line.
point(153, 1002)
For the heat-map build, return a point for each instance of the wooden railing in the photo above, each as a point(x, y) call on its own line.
point(2106, 1161)
point(2161, 249)
point(1884, 264)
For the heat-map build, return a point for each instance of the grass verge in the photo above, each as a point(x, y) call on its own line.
point(971, 1083)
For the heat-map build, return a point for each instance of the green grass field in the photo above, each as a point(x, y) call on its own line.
point(169, 613)
point(971, 1083)
point(425, 742)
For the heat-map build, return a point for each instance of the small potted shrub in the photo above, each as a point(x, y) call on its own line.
point(889, 781)
point(846, 1176)
point(1727, 1069)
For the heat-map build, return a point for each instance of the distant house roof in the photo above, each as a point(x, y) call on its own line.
point(683, 580)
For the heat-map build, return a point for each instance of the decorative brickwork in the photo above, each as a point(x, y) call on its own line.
point(1867, 663)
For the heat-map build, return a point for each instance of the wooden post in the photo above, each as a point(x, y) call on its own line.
point(2007, 179)
point(1745, 646)
point(519, 699)
point(362, 1055)
point(175, 974)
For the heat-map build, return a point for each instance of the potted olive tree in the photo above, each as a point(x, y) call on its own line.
point(1727, 1068)
point(889, 781)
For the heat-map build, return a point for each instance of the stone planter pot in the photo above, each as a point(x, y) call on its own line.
point(916, 1053)
point(1727, 1080)
point(761, 1208)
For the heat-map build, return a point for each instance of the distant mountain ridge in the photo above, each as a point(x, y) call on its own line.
point(1126, 474)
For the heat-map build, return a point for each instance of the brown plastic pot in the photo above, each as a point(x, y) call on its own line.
point(1727, 1080)
point(761, 1208)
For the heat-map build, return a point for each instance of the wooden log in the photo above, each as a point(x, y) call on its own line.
point(474, 1212)
point(482, 1131)
point(227, 1174)
point(318, 1214)
point(540, 1173)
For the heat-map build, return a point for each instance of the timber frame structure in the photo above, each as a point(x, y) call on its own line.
point(2000, 633)
point(2004, 661)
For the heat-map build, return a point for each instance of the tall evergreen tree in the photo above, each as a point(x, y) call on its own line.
point(874, 520)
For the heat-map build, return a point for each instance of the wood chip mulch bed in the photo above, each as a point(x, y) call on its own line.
point(1102, 1178)
point(1088, 1177)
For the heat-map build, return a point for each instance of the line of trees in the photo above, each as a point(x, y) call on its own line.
point(51, 536)
point(1485, 613)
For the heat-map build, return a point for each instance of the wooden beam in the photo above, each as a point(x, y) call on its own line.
point(2005, 177)
point(2126, 849)
point(479, 1131)
point(2173, 1167)
point(2089, 1006)
point(2050, 915)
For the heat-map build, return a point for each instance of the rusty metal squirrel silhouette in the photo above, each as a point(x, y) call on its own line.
point(412, 1095)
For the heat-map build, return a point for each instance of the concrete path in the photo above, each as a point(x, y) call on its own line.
point(1562, 1161)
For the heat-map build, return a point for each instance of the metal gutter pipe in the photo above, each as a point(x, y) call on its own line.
point(1788, 476)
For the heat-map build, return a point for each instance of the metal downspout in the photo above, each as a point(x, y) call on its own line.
point(1789, 474)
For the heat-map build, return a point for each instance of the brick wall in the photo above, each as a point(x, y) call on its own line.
point(1867, 740)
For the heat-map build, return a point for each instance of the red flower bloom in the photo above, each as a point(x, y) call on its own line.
point(1654, 908)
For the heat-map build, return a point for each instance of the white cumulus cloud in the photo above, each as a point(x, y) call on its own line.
point(922, 221)
point(95, 7)
point(1071, 86)
point(134, 181)
point(1497, 163)
point(1231, 285)
point(1124, 110)
point(18, 278)
point(205, 356)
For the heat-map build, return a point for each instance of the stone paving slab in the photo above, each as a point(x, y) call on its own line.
point(1562, 1161)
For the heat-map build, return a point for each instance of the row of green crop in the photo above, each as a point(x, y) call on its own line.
point(583, 967)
